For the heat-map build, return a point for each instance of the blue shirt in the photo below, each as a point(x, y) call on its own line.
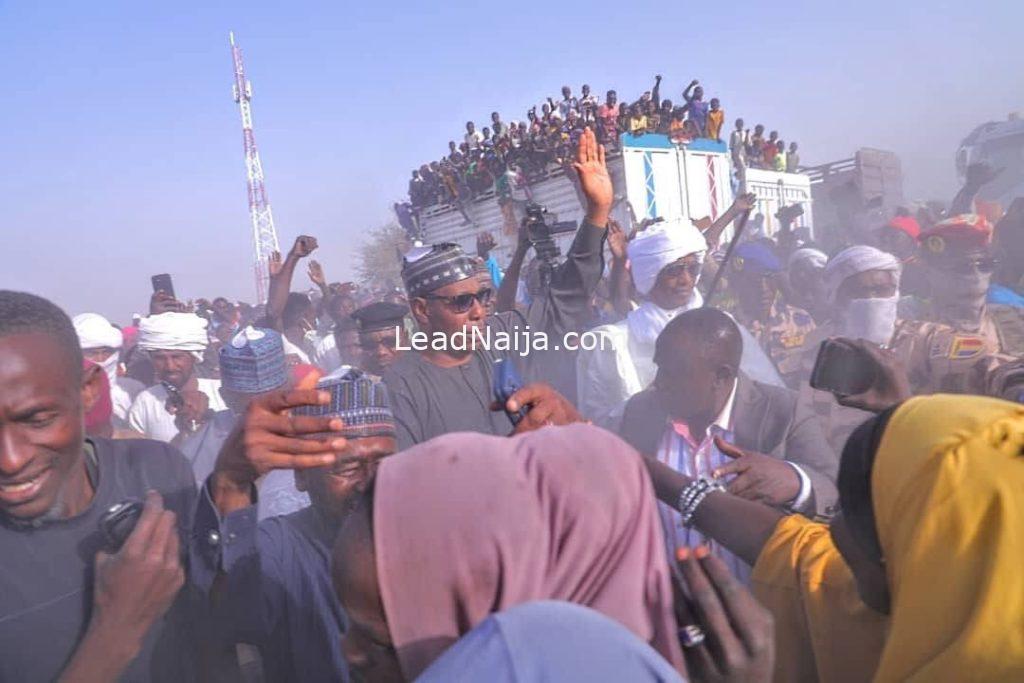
point(699, 114)
point(278, 594)
point(495, 270)
point(1000, 294)
point(550, 641)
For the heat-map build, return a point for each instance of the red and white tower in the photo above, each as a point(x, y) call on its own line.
point(264, 235)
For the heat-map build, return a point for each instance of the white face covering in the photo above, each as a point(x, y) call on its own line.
point(110, 366)
point(873, 320)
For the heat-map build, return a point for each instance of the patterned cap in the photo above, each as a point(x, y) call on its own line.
point(959, 234)
point(361, 400)
point(425, 269)
point(253, 361)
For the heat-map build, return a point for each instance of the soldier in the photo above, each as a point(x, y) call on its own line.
point(781, 329)
point(959, 263)
point(863, 284)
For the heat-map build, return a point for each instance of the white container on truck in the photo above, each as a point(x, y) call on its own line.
point(653, 178)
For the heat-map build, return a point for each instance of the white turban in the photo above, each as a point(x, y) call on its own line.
point(94, 332)
point(807, 257)
point(174, 332)
point(658, 246)
point(853, 261)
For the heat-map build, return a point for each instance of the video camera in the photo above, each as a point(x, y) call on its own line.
point(788, 214)
point(541, 236)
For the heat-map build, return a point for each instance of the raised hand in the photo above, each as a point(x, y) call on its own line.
point(304, 246)
point(617, 241)
point(274, 264)
point(484, 244)
point(595, 181)
point(162, 302)
point(759, 477)
point(726, 636)
point(745, 202)
point(316, 274)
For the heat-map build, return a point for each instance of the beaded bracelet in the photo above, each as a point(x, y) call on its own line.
point(693, 495)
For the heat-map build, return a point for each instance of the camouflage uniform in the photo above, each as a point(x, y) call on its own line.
point(783, 337)
point(940, 358)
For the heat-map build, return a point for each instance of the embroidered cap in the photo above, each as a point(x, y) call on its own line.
point(253, 361)
point(361, 400)
point(425, 269)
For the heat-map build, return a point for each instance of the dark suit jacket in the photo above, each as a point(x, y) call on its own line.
point(765, 420)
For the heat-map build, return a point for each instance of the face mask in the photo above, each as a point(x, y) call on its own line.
point(110, 367)
point(873, 320)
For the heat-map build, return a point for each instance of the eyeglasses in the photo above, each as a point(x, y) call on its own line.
point(692, 268)
point(461, 303)
point(982, 264)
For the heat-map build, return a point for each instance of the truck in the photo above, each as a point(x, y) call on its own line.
point(855, 195)
point(1000, 144)
point(652, 176)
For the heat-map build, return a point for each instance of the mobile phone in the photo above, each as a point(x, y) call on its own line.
point(842, 369)
point(162, 283)
point(507, 382)
point(174, 398)
point(117, 523)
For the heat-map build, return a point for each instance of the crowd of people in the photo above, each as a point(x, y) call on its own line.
point(296, 491)
point(508, 157)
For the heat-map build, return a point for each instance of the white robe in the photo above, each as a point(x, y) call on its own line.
point(149, 414)
point(622, 362)
point(122, 394)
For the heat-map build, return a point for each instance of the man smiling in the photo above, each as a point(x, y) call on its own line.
point(69, 608)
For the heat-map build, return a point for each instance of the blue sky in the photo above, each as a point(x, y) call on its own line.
point(121, 145)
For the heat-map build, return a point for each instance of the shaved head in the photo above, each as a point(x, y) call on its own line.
point(709, 330)
point(24, 313)
point(698, 357)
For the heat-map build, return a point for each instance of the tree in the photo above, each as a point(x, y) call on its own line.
point(378, 260)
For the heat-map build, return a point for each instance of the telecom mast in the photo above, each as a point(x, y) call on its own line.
point(264, 235)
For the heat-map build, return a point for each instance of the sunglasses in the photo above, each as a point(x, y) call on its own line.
point(966, 266)
point(461, 303)
point(676, 269)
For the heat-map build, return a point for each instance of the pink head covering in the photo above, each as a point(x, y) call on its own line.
point(468, 524)
point(130, 336)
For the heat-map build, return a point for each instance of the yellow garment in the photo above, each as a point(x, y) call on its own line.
point(823, 632)
point(948, 492)
point(715, 121)
point(638, 124)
